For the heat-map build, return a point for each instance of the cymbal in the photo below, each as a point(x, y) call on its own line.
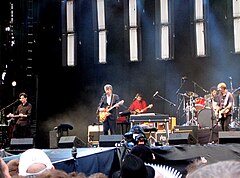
point(191, 93)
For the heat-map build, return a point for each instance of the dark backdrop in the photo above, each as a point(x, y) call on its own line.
point(71, 94)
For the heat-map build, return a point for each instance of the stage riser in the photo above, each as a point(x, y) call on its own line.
point(229, 137)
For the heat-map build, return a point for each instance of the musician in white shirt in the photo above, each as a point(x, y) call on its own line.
point(224, 106)
point(106, 116)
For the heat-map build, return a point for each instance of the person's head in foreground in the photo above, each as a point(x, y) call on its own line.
point(34, 162)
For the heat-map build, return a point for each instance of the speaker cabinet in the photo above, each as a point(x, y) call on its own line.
point(109, 140)
point(190, 129)
point(94, 131)
point(229, 137)
point(181, 138)
point(53, 139)
point(70, 141)
point(21, 143)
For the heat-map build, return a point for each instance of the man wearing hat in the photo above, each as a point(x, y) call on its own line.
point(134, 167)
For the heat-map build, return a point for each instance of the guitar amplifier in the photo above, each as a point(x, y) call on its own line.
point(94, 131)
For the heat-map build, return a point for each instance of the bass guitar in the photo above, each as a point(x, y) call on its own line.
point(137, 111)
point(103, 114)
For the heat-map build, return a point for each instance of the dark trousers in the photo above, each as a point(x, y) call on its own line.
point(109, 124)
point(21, 131)
point(225, 122)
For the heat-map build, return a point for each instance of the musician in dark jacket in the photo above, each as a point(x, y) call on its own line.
point(108, 107)
point(22, 118)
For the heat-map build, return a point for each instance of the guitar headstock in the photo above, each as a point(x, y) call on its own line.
point(121, 102)
point(150, 106)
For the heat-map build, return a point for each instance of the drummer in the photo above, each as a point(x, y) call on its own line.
point(211, 98)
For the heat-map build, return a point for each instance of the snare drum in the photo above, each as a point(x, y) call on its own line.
point(200, 103)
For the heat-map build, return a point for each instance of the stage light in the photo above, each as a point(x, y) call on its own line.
point(14, 83)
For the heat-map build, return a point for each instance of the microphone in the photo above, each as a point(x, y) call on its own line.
point(155, 93)
point(230, 78)
point(184, 78)
point(172, 104)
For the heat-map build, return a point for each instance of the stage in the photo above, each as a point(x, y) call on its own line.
point(108, 159)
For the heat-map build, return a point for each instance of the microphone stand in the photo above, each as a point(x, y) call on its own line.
point(171, 103)
point(195, 84)
point(2, 110)
point(182, 82)
point(231, 85)
point(235, 90)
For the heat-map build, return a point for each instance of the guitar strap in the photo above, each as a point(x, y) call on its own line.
point(226, 99)
point(112, 101)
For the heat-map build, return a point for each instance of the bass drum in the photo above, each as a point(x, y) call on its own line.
point(205, 118)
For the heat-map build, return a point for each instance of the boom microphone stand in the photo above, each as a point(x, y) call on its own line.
point(2, 110)
point(195, 84)
point(171, 103)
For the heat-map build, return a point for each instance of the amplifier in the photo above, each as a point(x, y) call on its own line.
point(94, 131)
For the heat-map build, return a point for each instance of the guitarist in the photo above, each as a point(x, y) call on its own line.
point(108, 100)
point(224, 106)
point(22, 117)
point(139, 105)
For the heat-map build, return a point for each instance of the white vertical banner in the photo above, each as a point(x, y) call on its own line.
point(164, 11)
point(236, 25)
point(102, 47)
point(70, 49)
point(132, 13)
point(200, 40)
point(70, 20)
point(199, 9)
point(101, 14)
point(133, 40)
point(236, 35)
point(165, 42)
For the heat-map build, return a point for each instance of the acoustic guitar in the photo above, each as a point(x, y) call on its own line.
point(137, 111)
point(103, 114)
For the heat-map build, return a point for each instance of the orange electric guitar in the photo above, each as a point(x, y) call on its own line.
point(137, 111)
point(103, 114)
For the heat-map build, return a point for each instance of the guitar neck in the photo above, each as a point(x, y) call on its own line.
point(119, 103)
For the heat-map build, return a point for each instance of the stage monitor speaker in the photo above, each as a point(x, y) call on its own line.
point(70, 141)
point(181, 138)
point(109, 140)
point(193, 129)
point(21, 143)
point(228, 137)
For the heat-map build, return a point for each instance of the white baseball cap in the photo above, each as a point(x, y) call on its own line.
point(33, 156)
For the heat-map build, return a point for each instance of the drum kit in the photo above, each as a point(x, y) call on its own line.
point(199, 113)
point(196, 110)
